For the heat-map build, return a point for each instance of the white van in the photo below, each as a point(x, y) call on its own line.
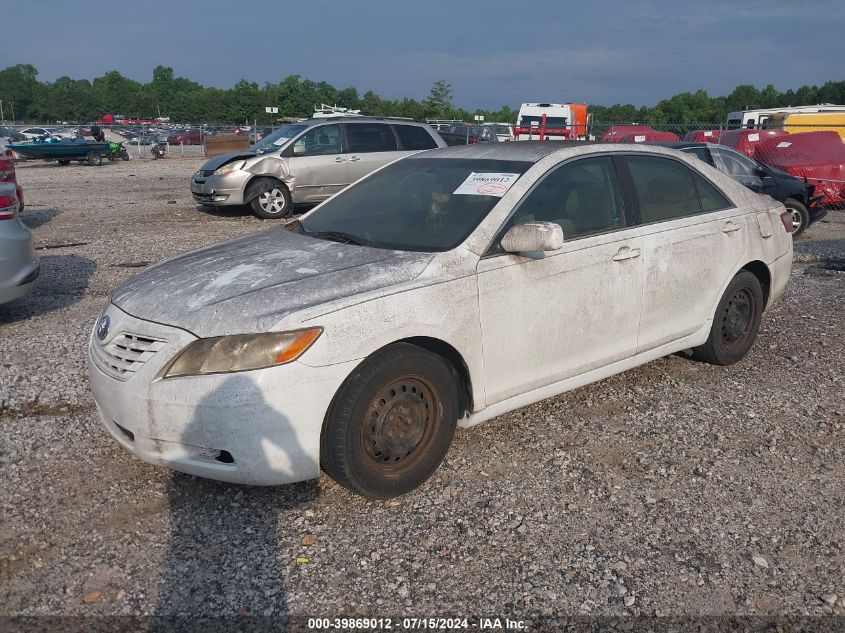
point(543, 121)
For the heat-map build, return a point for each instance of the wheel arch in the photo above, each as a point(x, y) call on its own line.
point(764, 276)
point(450, 353)
point(256, 177)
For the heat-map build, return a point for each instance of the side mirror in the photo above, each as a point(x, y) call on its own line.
point(298, 150)
point(535, 237)
point(760, 171)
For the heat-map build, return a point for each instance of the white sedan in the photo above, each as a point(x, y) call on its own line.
point(444, 289)
point(41, 132)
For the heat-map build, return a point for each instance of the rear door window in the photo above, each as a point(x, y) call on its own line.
point(370, 137)
point(664, 188)
point(414, 137)
point(712, 199)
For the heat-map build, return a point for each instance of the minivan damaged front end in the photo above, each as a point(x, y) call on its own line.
point(225, 181)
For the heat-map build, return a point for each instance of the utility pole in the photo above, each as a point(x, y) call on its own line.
point(2, 118)
point(12, 103)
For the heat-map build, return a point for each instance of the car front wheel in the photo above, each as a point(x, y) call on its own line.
point(735, 323)
point(391, 423)
point(269, 199)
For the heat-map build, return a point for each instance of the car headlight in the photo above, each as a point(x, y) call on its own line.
point(228, 168)
point(241, 352)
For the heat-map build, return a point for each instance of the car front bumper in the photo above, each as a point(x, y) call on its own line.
point(220, 190)
point(259, 427)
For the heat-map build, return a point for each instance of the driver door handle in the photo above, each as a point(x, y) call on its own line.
point(731, 227)
point(626, 252)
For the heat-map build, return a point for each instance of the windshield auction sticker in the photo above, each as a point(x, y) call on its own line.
point(484, 184)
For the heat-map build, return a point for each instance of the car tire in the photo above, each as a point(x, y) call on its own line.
point(269, 199)
point(64, 161)
point(95, 159)
point(735, 323)
point(800, 216)
point(391, 423)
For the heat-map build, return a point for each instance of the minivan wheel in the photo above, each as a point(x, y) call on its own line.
point(799, 214)
point(269, 199)
point(735, 323)
point(391, 423)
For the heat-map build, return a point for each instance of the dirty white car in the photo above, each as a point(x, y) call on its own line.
point(448, 287)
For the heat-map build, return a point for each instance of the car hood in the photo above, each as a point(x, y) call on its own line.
point(218, 161)
point(249, 284)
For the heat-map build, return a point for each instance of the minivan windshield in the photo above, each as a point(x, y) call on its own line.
point(416, 204)
point(278, 138)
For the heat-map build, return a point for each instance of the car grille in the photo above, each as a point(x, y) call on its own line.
point(125, 354)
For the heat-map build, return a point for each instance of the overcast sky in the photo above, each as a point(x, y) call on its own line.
point(492, 52)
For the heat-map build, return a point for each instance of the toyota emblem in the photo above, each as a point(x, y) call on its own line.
point(103, 327)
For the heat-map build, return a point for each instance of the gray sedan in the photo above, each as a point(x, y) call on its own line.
point(19, 265)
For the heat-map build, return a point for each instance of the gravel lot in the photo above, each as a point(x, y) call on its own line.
point(674, 489)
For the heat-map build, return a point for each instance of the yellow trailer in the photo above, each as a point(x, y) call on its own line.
point(808, 122)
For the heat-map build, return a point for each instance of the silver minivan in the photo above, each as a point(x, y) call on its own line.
point(307, 162)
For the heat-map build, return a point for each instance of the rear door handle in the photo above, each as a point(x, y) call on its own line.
point(626, 252)
point(354, 159)
point(339, 159)
point(731, 227)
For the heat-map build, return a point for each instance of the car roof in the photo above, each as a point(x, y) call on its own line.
point(679, 144)
point(530, 151)
point(359, 119)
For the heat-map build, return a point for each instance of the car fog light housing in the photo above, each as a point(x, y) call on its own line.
point(241, 352)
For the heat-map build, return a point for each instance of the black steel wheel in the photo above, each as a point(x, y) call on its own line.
point(391, 423)
point(735, 323)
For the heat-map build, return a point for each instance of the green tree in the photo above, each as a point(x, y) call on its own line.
point(438, 104)
point(18, 87)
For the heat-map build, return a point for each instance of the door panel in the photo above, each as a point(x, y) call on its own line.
point(318, 166)
point(687, 263)
point(369, 145)
point(362, 164)
point(544, 320)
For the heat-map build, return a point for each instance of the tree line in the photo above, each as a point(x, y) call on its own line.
point(25, 98)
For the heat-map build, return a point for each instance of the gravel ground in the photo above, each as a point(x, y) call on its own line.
point(674, 489)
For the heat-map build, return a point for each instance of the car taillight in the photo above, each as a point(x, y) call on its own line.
point(7, 170)
point(786, 218)
point(8, 207)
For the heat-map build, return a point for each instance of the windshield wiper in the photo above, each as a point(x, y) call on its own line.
point(338, 236)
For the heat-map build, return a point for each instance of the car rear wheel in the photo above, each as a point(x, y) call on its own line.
point(269, 199)
point(735, 323)
point(391, 423)
point(94, 158)
point(800, 216)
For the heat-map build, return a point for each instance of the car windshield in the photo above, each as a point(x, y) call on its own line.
point(277, 139)
point(416, 204)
